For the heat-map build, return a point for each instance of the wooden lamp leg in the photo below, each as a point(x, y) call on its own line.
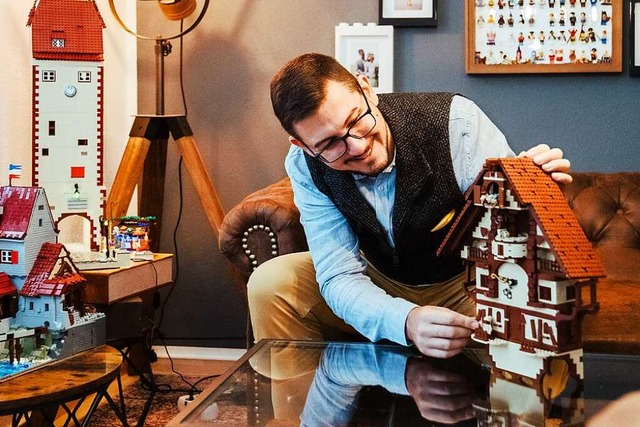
point(127, 177)
point(202, 182)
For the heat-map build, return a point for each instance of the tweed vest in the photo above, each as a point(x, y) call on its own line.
point(426, 190)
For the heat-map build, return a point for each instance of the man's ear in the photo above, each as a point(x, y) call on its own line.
point(296, 142)
point(371, 95)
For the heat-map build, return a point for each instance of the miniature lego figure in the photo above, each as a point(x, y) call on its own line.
point(541, 37)
point(490, 19)
point(510, 20)
point(491, 37)
point(521, 19)
point(603, 37)
point(583, 18)
point(552, 19)
point(572, 19)
point(501, 21)
point(562, 37)
point(559, 55)
point(552, 3)
point(572, 56)
point(572, 35)
point(594, 55)
point(605, 18)
point(561, 20)
point(520, 39)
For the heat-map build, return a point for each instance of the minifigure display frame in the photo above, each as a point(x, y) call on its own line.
point(373, 39)
point(543, 36)
point(408, 13)
point(634, 37)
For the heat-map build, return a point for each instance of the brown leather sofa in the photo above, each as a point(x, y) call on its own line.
point(267, 224)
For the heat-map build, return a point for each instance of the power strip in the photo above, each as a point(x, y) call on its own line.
point(186, 400)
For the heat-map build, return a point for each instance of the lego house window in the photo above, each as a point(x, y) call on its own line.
point(5, 257)
point(84, 76)
point(48, 76)
point(52, 128)
point(57, 38)
point(82, 142)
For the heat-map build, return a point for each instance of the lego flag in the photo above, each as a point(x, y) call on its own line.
point(15, 171)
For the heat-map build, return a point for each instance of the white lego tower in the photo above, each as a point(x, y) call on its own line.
point(68, 108)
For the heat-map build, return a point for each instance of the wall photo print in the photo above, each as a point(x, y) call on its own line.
point(543, 36)
point(408, 13)
point(367, 50)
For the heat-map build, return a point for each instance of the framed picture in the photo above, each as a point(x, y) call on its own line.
point(408, 13)
point(634, 38)
point(543, 36)
point(367, 49)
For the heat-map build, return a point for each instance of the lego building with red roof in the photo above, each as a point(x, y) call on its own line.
point(68, 111)
point(534, 270)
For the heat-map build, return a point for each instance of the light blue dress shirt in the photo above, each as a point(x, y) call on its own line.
point(340, 268)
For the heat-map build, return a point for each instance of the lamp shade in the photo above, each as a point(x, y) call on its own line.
point(175, 10)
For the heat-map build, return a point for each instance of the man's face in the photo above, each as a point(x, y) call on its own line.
point(340, 110)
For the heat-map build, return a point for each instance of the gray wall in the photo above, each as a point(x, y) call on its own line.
point(229, 60)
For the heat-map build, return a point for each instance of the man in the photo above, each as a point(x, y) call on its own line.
point(376, 179)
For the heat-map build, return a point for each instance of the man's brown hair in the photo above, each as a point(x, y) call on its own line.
point(298, 88)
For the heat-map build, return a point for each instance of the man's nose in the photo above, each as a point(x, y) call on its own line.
point(356, 146)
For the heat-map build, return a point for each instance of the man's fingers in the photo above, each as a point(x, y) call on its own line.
point(532, 152)
point(444, 316)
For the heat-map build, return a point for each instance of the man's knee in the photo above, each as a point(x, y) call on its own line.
point(274, 277)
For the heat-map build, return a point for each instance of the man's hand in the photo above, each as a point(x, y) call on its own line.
point(438, 331)
point(551, 161)
point(441, 396)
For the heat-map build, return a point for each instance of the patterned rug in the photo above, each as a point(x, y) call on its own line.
point(163, 407)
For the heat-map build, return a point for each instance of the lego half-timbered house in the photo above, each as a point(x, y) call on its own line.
point(68, 106)
point(532, 266)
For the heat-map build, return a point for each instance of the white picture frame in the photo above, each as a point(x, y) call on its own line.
point(376, 42)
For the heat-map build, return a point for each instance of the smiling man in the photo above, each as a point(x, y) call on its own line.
point(377, 179)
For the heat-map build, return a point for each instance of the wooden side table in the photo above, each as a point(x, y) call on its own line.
point(35, 397)
point(110, 286)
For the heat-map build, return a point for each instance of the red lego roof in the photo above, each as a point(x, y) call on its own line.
point(6, 285)
point(77, 23)
point(17, 203)
point(554, 216)
point(42, 280)
point(550, 210)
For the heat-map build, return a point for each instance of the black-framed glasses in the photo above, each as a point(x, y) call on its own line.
point(336, 147)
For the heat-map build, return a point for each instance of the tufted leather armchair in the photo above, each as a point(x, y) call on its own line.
point(267, 224)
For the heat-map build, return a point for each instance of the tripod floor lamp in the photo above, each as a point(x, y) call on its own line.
point(149, 135)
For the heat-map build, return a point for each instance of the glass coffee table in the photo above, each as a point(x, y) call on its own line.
point(338, 384)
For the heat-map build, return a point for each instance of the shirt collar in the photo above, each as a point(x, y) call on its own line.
point(388, 169)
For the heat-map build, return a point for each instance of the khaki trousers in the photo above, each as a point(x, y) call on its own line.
point(285, 303)
point(285, 300)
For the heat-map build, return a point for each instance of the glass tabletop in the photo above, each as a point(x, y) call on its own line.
point(339, 384)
